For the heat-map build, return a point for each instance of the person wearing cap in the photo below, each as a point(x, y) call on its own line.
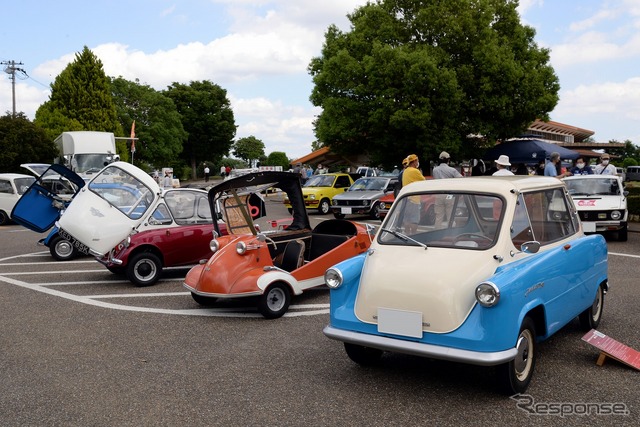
point(503, 166)
point(444, 202)
point(550, 168)
point(581, 168)
point(604, 167)
point(443, 170)
point(412, 212)
point(398, 185)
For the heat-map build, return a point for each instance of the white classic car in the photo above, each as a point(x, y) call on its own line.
point(506, 267)
point(601, 201)
point(12, 187)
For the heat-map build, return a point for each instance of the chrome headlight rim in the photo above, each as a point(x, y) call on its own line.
point(241, 248)
point(487, 294)
point(616, 215)
point(214, 245)
point(333, 278)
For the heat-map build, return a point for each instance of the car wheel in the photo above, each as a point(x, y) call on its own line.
point(4, 218)
point(375, 211)
point(61, 249)
point(364, 356)
point(275, 301)
point(590, 318)
point(144, 269)
point(338, 215)
point(622, 234)
point(206, 301)
point(516, 375)
point(324, 207)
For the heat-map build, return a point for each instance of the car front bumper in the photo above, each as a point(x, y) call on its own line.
point(421, 349)
point(601, 226)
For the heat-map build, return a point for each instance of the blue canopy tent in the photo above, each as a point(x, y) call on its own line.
point(528, 151)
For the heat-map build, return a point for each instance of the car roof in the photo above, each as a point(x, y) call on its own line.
point(488, 184)
point(10, 175)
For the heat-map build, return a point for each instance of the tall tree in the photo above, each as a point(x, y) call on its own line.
point(23, 142)
point(158, 125)
point(208, 119)
point(426, 75)
point(81, 100)
point(249, 149)
point(278, 158)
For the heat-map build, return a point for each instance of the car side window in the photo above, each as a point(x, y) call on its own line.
point(5, 187)
point(182, 206)
point(342, 182)
point(204, 211)
point(550, 215)
point(161, 215)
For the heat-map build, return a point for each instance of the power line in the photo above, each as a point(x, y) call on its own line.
point(11, 69)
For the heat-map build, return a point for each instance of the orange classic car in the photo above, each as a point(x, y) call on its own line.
point(271, 265)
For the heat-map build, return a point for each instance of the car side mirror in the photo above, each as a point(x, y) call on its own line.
point(531, 247)
point(625, 193)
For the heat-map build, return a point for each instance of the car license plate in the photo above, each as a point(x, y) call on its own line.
point(589, 227)
point(346, 211)
point(81, 247)
point(400, 322)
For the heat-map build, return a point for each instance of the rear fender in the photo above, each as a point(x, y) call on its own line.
point(270, 277)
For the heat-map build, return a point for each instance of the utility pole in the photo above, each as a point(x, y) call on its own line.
point(10, 68)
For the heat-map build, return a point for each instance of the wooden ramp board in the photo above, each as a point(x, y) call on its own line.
point(611, 348)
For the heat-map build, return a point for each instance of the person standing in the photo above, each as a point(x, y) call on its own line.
point(503, 165)
point(223, 171)
point(550, 168)
point(444, 202)
point(206, 173)
point(412, 211)
point(398, 186)
point(581, 168)
point(227, 170)
point(604, 167)
point(167, 181)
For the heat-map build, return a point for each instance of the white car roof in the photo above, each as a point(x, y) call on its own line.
point(15, 175)
point(489, 184)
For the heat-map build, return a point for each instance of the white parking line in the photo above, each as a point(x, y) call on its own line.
point(627, 255)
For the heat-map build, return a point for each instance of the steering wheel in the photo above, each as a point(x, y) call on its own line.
point(473, 237)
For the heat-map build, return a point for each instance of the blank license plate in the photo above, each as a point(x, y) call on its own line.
point(400, 322)
point(589, 227)
point(345, 210)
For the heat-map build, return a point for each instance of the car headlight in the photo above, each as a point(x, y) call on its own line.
point(214, 245)
point(616, 215)
point(383, 205)
point(366, 203)
point(487, 294)
point(241, 248)
point(333, 278)
point(312, 196)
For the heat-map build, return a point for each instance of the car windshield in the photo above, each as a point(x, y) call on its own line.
point(22, 184)
point(123, 191)
point(320, 181)
point(602, 186)
point(369, 184)
point(83, 163)
point(460, 220)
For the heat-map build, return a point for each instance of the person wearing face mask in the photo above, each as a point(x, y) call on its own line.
point(581, 168)
point(605, 168)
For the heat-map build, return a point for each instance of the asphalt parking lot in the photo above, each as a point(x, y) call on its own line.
point(82, 347)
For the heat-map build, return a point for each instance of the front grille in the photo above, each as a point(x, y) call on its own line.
point(597, 215)
point(349, 202)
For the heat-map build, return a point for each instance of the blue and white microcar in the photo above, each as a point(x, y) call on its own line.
point(505, 265)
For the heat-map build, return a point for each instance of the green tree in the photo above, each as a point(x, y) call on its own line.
point(249, 149)
point(208, 119)
point(23, 142)
point(278, 158)
point(81, 100)
point(158, 125)
point(425, 75)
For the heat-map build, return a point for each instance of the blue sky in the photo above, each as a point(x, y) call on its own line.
point(259, 50)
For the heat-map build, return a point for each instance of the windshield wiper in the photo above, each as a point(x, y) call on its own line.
point(404, 237)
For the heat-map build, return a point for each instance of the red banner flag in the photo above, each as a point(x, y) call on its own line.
point(133, 135)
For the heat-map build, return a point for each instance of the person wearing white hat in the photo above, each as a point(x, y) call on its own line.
point(503, 166)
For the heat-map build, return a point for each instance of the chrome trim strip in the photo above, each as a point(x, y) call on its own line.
point(421, 349)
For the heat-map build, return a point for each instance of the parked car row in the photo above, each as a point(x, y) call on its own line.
point(477, 270)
